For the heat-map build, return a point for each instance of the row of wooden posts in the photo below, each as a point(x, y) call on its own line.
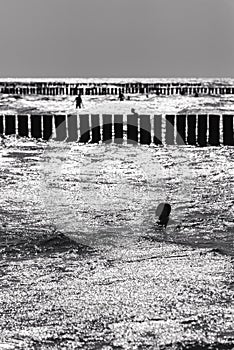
point(113, 89)
point(167, 129)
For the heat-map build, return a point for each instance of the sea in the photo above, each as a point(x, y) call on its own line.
point(106, 195)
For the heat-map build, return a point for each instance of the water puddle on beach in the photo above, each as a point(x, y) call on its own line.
point(106, 195)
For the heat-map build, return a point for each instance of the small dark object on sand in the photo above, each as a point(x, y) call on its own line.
point(163, 211)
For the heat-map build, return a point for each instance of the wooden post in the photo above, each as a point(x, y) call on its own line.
point(72, 127)
point(180, 129)
point(60, 126)
point(84, 128)
point(9, 124)
point(202, 130)
point(47, 126)
point(157, 129)
point(23, 125)
point(95, 127)
point(36, 130)
point(118, 128)
point(1, 124)
point(228, 139)
point(107, 128)
point(39, 89)
point(145, 130)
point(214, 130)
point(132, 128)
point(191, 131)
point(170, 122)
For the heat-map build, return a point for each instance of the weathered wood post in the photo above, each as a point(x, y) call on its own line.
point(132, 128)
point(145, 130)
point(39, 89)
point(107, 128)
point(228, 139)
point(191, 129)
point(36, 130)
point(157, 129)
point(170, 123)
point(60, 126)
point(72, 127)
point(202, 130)
point(84, 128)
point(214, 130)
point(47, 126)
point(118, 128)
point(23, 125)
point(1, 124)
point(180, 129)
point(10, 124)
point(95, 127)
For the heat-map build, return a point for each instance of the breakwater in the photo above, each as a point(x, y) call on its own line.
point(170, 129)
point(113, 88)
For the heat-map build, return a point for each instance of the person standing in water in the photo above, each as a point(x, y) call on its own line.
point(121, 96)
point(78, 101)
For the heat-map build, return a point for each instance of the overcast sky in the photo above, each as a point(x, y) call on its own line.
point(116, 38)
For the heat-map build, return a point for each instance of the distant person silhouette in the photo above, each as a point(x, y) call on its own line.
point(134, 112)
point(121, 96)
point(163, 211)
point(78, 101)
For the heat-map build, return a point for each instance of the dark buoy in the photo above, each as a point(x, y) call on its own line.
point(163, 211)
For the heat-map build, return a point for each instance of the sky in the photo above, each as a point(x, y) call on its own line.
point(117, 38)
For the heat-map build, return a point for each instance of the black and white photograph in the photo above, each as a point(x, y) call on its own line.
point(116, 174)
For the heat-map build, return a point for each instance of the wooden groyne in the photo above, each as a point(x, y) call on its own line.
point(169, 129)
point(158, 88)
